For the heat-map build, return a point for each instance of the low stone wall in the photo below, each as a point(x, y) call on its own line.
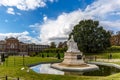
point(90, 67)
point(106, 64)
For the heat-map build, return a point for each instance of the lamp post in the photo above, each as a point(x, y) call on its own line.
point(23, 60)
point(14, 57)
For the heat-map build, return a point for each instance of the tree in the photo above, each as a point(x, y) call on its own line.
point(91, 37)
point(118, 38)
point(111, 32)
point(118, 32)
point(64, 44)
point(52, 45)
point(60, 45)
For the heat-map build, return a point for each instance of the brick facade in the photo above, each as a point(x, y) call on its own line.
point(13, 46)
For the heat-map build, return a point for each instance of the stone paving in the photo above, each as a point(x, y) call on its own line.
point(108, 60)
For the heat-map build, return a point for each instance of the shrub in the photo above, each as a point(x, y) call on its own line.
point(2, 57)
point(31, 54)
point(42, 55)
point(47, 55)
point(58, 56)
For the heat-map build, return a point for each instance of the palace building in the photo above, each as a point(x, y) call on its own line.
point(12, 46)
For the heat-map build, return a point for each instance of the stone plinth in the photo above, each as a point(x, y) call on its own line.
point(73, 61)
point(81, 68)
point(71, 58)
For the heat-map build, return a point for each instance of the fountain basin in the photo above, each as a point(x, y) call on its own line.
point(104, 70)
point(75, 68)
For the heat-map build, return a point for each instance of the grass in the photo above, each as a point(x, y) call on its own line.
point(114, 50)
point(18, 60)
point(12, 68)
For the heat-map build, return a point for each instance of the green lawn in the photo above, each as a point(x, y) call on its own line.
point(114, 50)
point(18, 60)
point(12, 68)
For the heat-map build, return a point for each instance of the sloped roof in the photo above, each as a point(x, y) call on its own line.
point(2, 42)
point(12, 38)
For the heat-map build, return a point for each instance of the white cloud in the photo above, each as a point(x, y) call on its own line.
point(51, 0)
point(111, 25)
point(59, 29)
point(10, 11)
point(102, 8)
point(19, 14)
point(116, 13)
point(23, 36)
point(45, 18)
point(24, 4)
point(33, 31)
point(2, 35)
point(36, 25)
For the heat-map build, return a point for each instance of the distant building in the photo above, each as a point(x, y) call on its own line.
point(115, 40)
point(23, 48)
point(2, 46)
point(12, 46)
point(36, 48)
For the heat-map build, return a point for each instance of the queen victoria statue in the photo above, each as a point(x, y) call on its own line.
point(73, 59)
point(72, 45)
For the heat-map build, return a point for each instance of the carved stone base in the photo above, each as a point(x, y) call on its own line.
point(82, 68)
point(74, 62)
point(71, 58)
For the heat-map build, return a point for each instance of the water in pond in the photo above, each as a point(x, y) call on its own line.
point(103, 71)
point(46, 69)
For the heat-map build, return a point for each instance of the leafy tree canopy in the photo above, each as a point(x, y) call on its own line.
point(91, 37)
point(60, 45)
point(52, 45)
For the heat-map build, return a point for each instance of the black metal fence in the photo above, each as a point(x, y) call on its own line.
point(93, 58)
point(9, 78)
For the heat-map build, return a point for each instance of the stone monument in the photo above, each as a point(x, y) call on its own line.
point(73, 59)
point(73, 56)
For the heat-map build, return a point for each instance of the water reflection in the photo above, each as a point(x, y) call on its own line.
point(46, 69)
point(103, 71)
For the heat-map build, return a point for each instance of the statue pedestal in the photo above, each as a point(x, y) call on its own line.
point(73, 59)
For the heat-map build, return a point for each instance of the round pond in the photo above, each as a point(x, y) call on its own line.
point(46, 69)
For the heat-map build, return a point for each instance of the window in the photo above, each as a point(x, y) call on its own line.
point(12, 46)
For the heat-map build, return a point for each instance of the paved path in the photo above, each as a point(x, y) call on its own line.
point(109, 60)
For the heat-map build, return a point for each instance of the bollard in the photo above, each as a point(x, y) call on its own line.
point(18, 78)
point(6, 78)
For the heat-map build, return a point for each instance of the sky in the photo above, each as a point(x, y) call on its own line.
point(45, 21)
